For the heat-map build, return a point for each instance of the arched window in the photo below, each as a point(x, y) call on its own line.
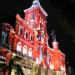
point(18, 48)
point(24, 50)
point(30, 52)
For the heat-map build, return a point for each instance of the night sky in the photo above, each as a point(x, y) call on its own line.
point(61, 18)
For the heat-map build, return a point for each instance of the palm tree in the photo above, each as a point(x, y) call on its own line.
point(14, 67)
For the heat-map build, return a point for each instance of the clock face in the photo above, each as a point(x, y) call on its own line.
point(32, 23)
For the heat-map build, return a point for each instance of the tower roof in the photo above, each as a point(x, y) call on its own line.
point(35, 4)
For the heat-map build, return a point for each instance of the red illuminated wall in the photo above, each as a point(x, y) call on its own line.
point(33, 34)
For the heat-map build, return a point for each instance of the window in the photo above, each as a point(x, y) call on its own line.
point(4, 37)
point(18, 48)
point(24, 50)
point(20, 30)
point(41, 53)
point(48, 57)
point(39, 37)
point(7, 39)
point(31, 37)
point(26, 34)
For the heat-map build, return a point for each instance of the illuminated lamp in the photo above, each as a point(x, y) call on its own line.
point(62, 68)
point(52, 66)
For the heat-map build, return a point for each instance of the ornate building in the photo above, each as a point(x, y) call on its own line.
point(28, 42)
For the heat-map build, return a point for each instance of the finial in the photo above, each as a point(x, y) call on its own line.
point(36, 2)
point(53, 35)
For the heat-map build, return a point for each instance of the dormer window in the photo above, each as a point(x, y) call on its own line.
point(20, 30)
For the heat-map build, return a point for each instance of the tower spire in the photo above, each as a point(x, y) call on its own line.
point(36, 2)
point(53, 36)
point(54, 41)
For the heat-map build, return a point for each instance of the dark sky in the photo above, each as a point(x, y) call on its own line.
point(61, 18)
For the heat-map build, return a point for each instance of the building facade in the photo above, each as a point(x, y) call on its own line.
point(29, 41)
